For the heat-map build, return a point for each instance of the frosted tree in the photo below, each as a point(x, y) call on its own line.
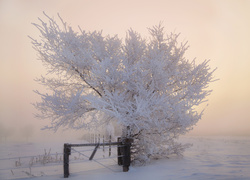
point(146, 85)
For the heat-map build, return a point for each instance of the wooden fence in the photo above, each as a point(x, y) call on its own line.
point(123, 151)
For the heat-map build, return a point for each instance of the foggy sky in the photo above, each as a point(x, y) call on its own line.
point(215, 29)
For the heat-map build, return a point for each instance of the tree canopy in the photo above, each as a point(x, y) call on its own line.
point(146, 85)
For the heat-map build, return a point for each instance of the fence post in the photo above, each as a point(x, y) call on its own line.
point(126, 152)
point(119, 152)
point(109, 145)
point(66, 153)
point(103, 143)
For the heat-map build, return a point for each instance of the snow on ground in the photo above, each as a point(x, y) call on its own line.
point(209, 158)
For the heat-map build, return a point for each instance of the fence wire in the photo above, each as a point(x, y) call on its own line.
point(97, 160)
point(52, 163)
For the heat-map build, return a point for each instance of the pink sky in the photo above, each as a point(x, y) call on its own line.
point(216, 30)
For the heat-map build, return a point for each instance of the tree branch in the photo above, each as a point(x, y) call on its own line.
point(82, 76)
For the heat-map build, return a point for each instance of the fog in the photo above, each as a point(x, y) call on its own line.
point(216, 30)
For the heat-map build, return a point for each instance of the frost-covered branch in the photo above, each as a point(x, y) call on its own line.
point(146, 86)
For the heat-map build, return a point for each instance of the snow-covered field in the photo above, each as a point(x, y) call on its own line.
point(209, 158)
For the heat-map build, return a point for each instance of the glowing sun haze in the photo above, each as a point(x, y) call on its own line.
point(215, 29)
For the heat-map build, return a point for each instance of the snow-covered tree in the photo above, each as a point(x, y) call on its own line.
point(145, 85)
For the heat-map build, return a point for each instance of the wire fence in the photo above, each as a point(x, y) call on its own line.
point(51, 163)
point(123, 153)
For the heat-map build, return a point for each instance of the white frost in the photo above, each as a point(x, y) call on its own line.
point(146, 85)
